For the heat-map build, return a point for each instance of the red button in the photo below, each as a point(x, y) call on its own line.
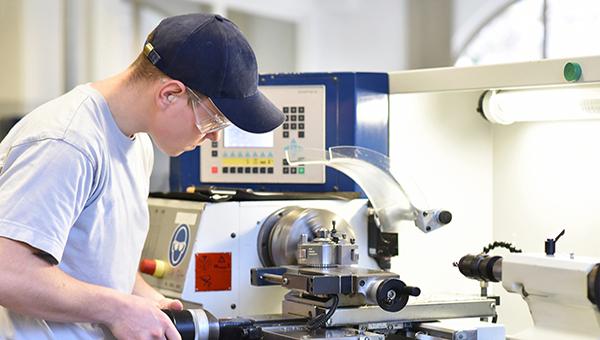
point(154, 267)
point(214, 169)
point(147, 266)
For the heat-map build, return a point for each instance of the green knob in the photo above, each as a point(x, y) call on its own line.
point(572, 72)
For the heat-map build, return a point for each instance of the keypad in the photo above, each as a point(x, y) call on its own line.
point(294, 114)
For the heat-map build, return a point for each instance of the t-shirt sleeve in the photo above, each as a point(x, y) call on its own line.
point(44, 186)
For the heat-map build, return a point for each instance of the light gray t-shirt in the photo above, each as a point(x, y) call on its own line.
point(73, 185)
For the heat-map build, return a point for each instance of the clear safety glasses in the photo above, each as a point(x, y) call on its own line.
point(211, 119)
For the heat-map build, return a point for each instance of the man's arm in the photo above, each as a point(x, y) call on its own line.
point(31, 286)
point(143, 289)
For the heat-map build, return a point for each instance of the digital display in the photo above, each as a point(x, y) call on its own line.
point(233, 137)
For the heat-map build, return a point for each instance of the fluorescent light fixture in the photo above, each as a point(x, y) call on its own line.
point(548, 104)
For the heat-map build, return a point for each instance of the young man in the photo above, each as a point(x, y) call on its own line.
point(74, 179)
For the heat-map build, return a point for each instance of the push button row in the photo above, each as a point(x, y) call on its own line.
point(293, 109)
point(246, 170)
point(293, 170)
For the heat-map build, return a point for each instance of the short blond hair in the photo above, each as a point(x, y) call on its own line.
point(143, 70)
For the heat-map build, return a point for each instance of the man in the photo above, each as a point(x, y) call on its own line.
point(74, 178)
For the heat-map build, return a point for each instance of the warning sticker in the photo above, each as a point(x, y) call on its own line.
point(213, 271)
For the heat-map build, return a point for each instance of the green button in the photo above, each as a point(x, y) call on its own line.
point(301, 171)
point(572, 72)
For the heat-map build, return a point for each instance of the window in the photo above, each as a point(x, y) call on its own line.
point(536, 29)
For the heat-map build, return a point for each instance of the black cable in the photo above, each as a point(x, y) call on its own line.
point(321, 319)
point(506, 245)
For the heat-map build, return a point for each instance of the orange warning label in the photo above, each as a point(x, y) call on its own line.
point(213, 271)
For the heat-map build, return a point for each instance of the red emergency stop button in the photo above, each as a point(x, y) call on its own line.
point(153, 267)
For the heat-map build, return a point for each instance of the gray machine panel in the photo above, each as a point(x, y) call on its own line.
point(241, 157)
point(166, 216)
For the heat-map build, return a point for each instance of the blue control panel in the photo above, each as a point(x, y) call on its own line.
point(321, 109)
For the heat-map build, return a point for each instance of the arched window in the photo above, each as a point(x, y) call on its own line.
point(536, 29)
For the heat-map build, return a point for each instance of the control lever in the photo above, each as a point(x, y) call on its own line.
point(550, 244)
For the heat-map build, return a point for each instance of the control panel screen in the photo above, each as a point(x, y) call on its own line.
point(242, 157)
point(233, 137)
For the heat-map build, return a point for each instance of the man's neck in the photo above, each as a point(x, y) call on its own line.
point(129, 103)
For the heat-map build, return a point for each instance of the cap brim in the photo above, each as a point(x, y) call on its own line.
point(255, 114)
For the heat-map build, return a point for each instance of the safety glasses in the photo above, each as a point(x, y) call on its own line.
point(210, 118)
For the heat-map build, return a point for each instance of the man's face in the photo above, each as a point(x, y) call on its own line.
point(187, 120)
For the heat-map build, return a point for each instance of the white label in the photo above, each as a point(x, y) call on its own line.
point(186, 218)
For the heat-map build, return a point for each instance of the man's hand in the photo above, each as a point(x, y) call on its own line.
point(143, 289)
point(141, 318)
point(170, 304)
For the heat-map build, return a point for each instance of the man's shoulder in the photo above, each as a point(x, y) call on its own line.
point(75, 118)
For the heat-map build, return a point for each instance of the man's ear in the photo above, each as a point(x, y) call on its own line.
point(169, 91)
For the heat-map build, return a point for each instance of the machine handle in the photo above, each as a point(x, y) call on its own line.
point(412, 291)
point(392, 294)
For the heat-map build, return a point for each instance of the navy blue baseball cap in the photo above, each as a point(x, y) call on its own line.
point(209, 54)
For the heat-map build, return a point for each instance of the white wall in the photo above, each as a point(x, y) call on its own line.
point(545, 180)
point(274, 41)
point(355, 36)
point(32, 55)
point(446, 148)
